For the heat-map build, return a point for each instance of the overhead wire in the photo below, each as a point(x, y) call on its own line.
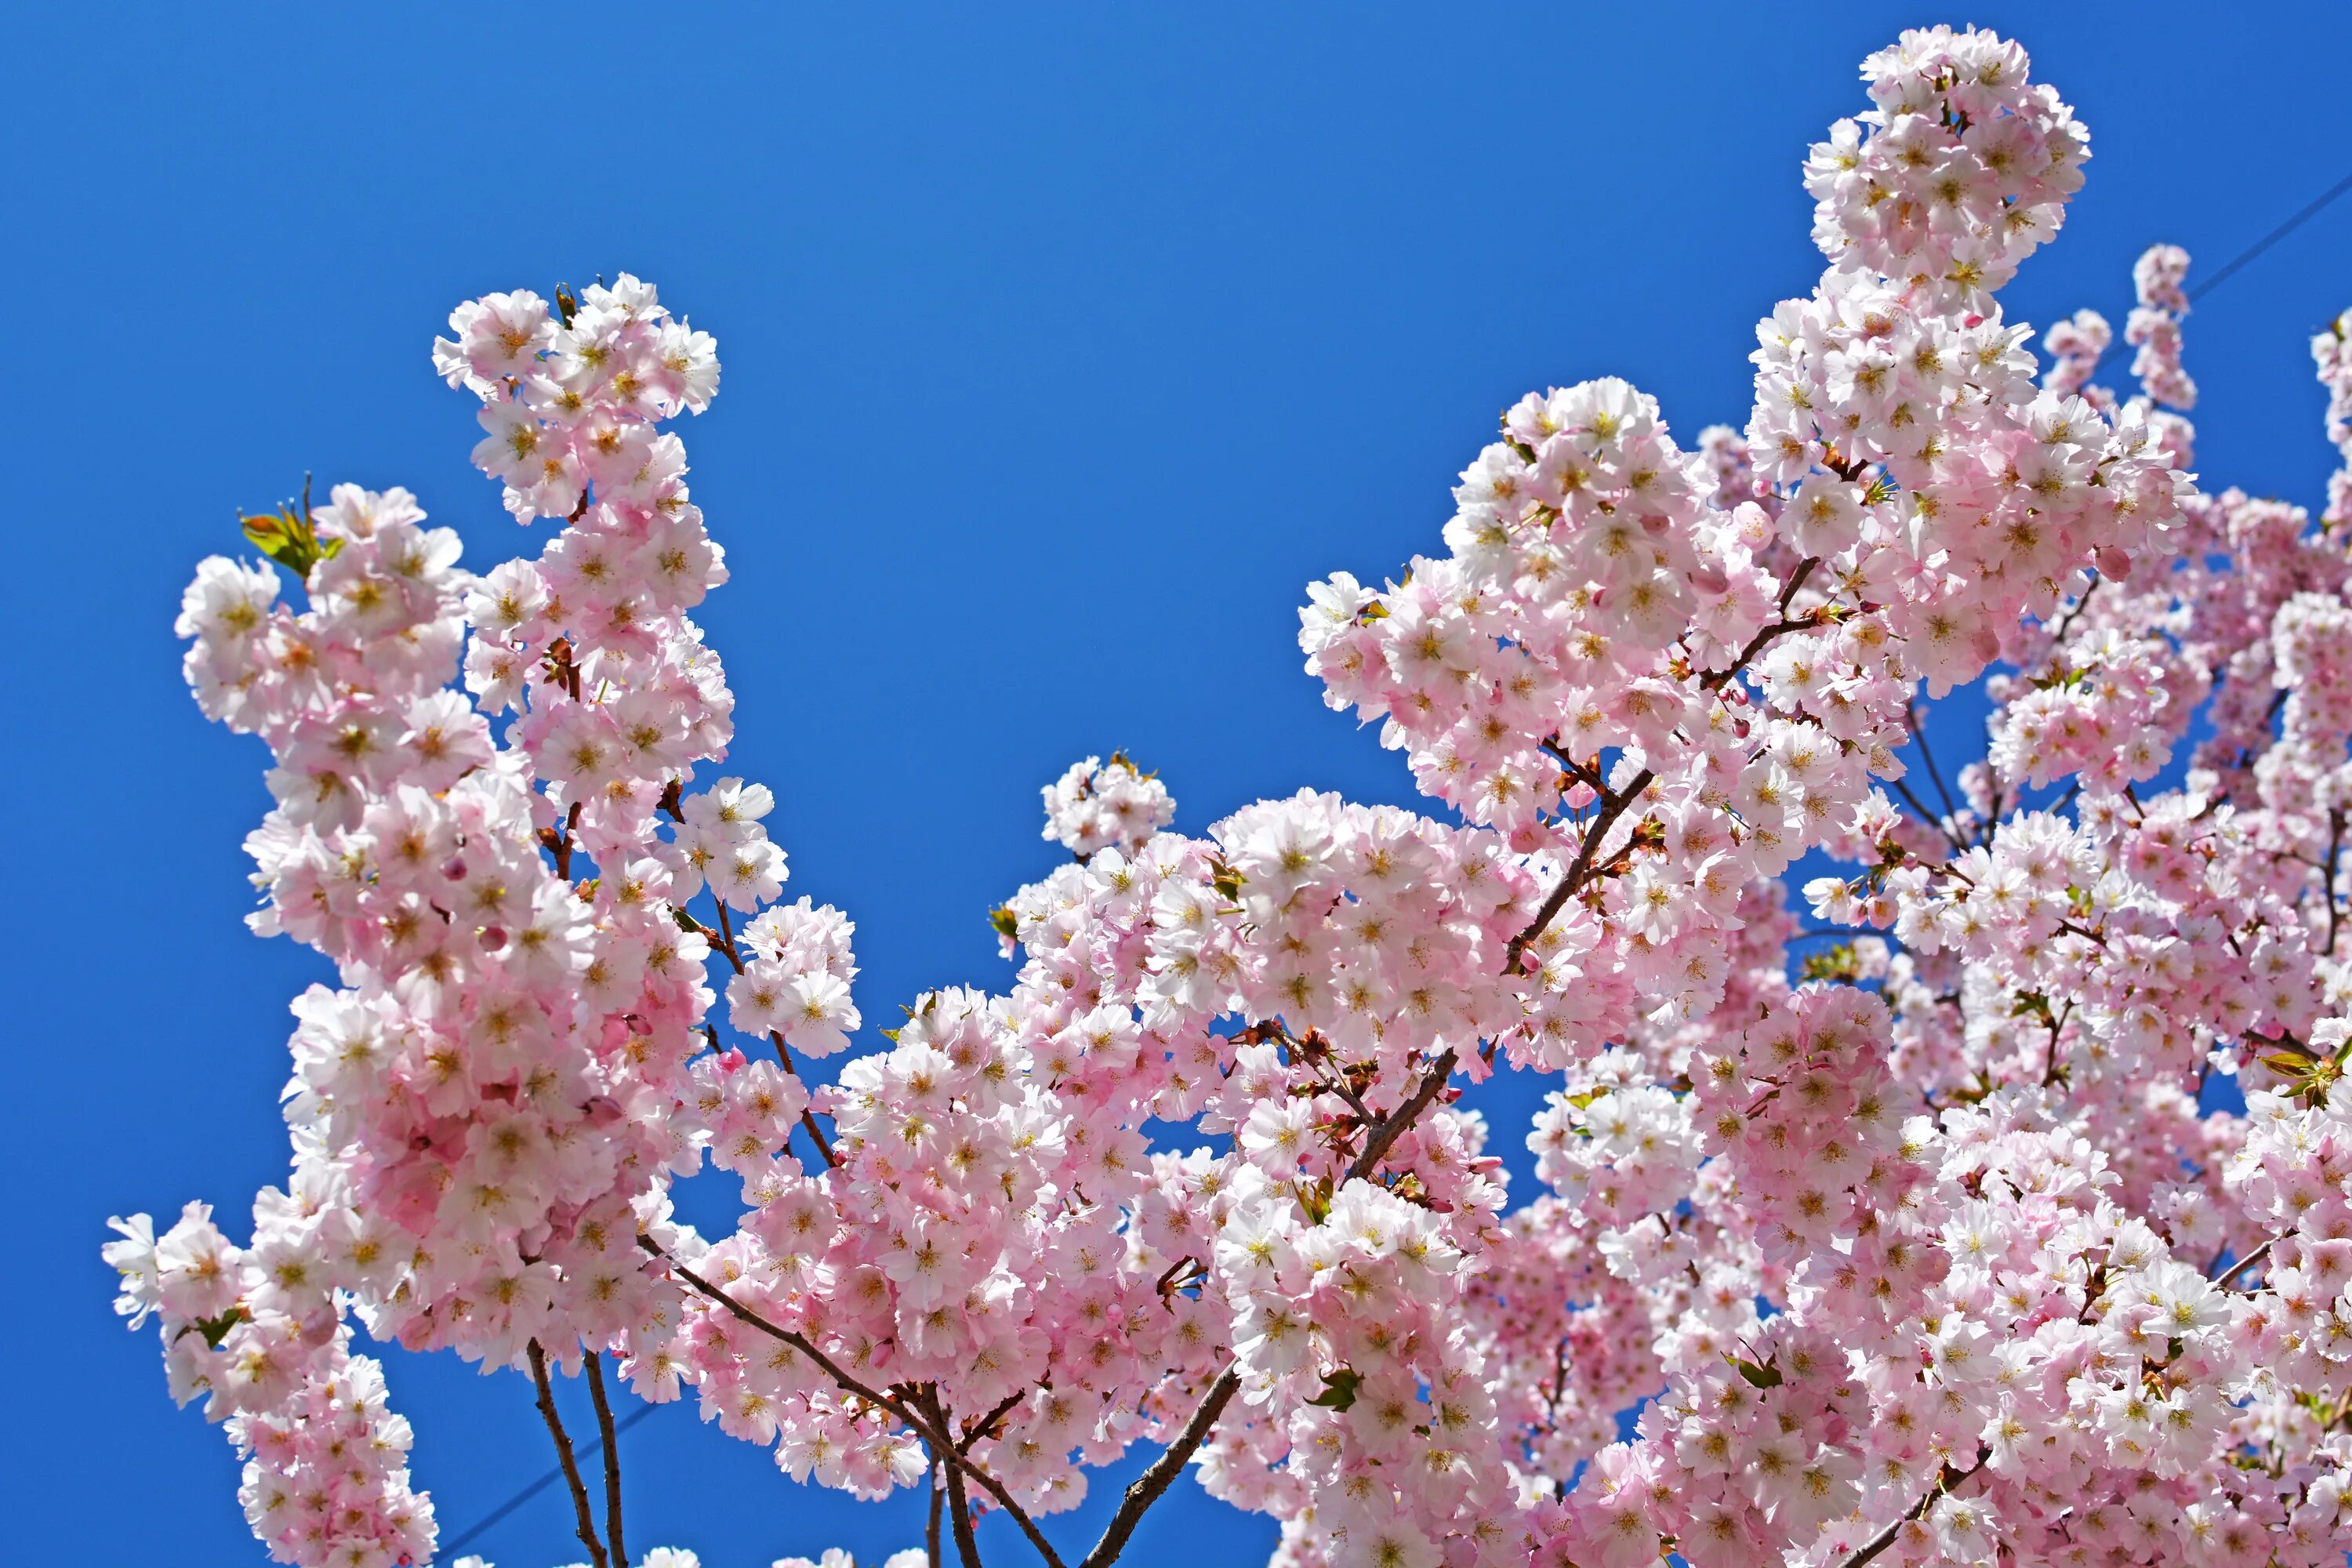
point(474, 1532)
point(2237, 263)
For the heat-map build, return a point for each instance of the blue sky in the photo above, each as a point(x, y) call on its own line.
point(1062, 349)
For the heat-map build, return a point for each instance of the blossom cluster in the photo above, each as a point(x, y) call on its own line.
point(1917, 1231)
point(254, 1330)
point(1098, 803)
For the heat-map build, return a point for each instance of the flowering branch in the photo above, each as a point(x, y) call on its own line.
point(1147, 1488)
point(1945, 1482)
point(943, 1446)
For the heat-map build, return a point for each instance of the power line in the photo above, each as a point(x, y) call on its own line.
point(475, 1532)
point(2231, 268)
point(2288, 227)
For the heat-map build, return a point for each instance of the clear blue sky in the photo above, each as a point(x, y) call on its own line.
point(1061, 350)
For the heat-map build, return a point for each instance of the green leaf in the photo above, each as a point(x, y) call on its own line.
point(215, 1329)
point(1338, 1389)
point(287, 537)
point(1839, 962)
point(1765, 1376)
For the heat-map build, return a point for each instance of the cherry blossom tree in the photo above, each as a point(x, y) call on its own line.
point(1924, 1243)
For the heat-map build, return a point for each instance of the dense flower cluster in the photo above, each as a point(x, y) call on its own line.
point(1939, 1248)
point(1098, 803)
point(255, 1332)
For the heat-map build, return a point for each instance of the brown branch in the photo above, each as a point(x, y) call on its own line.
point(1589, 777)
point(959, 1504)
point(2248, 1261)
point(2327, 889)
point(1944, 1484)
point(2057, 1021)
point(726, 944)
point(1385, 1135)
point(1934, 773)
point(2081, 604)
point(1149, 1486)
point(611, 1461)
point(1941, 824)
point(1718, 680)
point(931, 1528)
point(558, 842)
point(1580, 870)
point(974, 1434)
point(942, 1446)
point(587, 1523)
point(1612, 807)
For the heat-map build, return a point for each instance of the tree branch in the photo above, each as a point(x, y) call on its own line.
point(611, 1461)
point(963, 1444)
point(1148, 1487)
point(958, 1505)
point(1718, 680)
point(931, 1528)
point(1384, 1136)
point(725, 946)
point(1580, 870)
point(1942, 824)
point(2327, 889)
point(587, 1523)
point(1934, 773)
point(1944, 1484)
point(942, 1446)
point(2248, 1261)
point(1612, 807)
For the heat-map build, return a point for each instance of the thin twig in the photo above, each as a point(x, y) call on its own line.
point(1162, 1474)
point(959, 1504)
point(2335, 850)
point(1718, 680)
point(1612, 807)
point(2057, 1023)
point(931, 1528)
point(1148, 1487)
point(611, 1461)
point(1385, 1135)
point(941, 1444)
point(2248, 1261)
point(1934, 773)
point(725, 946)
point(564, 1456)
point(1580, 871)
point(2067, 624)
point(1003, 1407)
point(1944, 1484)
point(1942, 824)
